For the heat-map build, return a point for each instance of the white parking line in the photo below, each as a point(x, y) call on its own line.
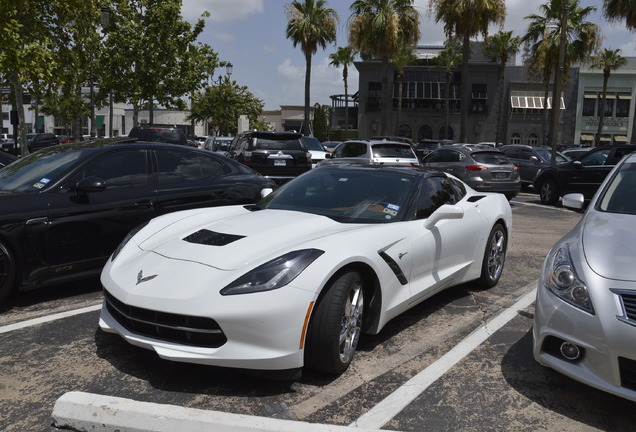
point(48, 318)
point(393, 404)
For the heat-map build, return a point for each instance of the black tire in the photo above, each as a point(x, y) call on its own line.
point(7, 273)
point(335, 326)
point(549, 192)
point(494, 257)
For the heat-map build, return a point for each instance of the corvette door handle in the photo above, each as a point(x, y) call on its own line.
point(144, 204)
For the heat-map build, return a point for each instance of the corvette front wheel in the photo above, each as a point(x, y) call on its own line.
point(335, 327)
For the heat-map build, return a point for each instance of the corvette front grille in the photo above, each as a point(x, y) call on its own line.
point(164, 326)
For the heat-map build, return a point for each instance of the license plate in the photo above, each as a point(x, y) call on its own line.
point(280, 162)
point(500, 175)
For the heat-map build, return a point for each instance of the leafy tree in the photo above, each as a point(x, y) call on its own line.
point(615, 10)
point(608, 60)
point(448, 60)
point(466, 19)
point(498, 47)
point(543, 39)
point(344, 56)
point(151, 55)
point(221, 105)
point(321, 122)
point(380, 28)
point(41, 42)
point(310, 24)
point(400, 61)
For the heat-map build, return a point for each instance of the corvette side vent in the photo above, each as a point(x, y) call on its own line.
point(211, 238)
point(395, 267)
point(475, 198)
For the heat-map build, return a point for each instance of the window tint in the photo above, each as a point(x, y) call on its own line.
point(351, 149)
point(435, 192)
point(276, 144)
point(178, 166)
point(596, 158)
point(619, 196)
point(121, 168)
point(391, 150)
point(492, 158)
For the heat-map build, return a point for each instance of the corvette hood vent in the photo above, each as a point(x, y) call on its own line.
point(211, 238)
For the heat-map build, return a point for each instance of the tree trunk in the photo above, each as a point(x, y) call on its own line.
point(306, 119)
point(500, 85)
point(19, 104)
point(448, 76)
point(399, 115)
point(345, 74)
point(601, 119)
point(387, 100)
point(466, 99)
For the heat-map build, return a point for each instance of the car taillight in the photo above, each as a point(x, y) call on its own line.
point(247, 156)
point(476, 168)
point(515, 168)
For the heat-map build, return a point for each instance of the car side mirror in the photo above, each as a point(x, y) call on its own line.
point(266, 191)
point(90, 184)
point(573, 201)
point(534, 159)
point(446, 211)
point(577, 164)
point(327, 155)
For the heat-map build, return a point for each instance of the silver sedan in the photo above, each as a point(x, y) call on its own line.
point(585, 318)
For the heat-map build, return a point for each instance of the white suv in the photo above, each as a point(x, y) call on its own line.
point(373, 152)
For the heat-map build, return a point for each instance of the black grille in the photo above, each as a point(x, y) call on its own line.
point(629, 303)
point(169, 327)
point(212, 238)
point(627, 369)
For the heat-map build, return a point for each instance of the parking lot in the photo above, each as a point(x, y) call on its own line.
point(443, 365)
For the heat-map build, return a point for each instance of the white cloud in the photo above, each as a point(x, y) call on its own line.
point(221, 10)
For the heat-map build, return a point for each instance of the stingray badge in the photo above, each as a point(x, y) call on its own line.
point(141, 278)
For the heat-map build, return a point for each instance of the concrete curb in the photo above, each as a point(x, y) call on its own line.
point(81, 411)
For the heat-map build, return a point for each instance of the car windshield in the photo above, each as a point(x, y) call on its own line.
point(32, 173)
point(276, 144)
point(392, 150)
point(491, 158)
point(346, 195)
point(546, 155)
point(620, 194)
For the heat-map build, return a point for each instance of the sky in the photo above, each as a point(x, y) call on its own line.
point(250, 34)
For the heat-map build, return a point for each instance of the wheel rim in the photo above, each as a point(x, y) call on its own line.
point(546, 192)
point(496, 255)
point(351, 323)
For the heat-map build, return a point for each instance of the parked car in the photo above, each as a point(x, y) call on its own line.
point(6, 159)
point(482, 169)
point(583, 174)
point(66, 207)
point(199, 140)
point(294, 280)
point(530, 159)
point(318, 152)
point(280, 156)
point(425, 146)
point(7, 143)
point(374, 152)
point(160, 133)
point(37, 141)
point(330, 145)
point(405, 140)
point(218, 143)
point(585, 315)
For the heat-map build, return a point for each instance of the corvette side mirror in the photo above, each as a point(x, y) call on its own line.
point(446, 211)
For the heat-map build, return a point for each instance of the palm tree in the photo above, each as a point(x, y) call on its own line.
point(466, 19)
point(344, 56)
point(614, 10)
point(498, 47)
point(380, 28)
point(608, 60)
point(310, 24)
point(543, 39)
point(400, 61)
point(447, 61)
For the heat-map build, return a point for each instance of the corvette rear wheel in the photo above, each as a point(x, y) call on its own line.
point(7, 273)
point(494, 257)
point(334, 330)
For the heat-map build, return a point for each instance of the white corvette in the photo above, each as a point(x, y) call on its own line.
point(295, 279)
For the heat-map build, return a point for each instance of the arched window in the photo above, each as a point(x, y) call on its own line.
point(405, 131)
point(425, 132)
point(533, 139)
point(446, 134)
point(515, 138)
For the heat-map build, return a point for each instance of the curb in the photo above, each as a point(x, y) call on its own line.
point(81, 411)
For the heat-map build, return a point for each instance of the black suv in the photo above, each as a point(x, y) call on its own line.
point(159, 133)
point(280, 156)
point(37, 141)
point(581, 175)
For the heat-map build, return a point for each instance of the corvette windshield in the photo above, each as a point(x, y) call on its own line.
point(346, 195)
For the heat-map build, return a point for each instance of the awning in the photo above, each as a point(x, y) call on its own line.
point(609, 96)
point(532, 102)
point(590, 95)
point(620, 138)
point(99, 121)
point(587, 137)
point(624, 96)
point(606, 139)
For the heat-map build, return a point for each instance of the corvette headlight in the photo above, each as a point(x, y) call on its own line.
point(126, 240)
point(562, 280)
point(273, 274)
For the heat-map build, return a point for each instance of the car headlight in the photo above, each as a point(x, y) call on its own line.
point(562, 280)
point(273, 274)
point(126, 240)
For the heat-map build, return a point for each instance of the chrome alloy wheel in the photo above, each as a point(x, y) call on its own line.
point(351, 322)
point(496, 254)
